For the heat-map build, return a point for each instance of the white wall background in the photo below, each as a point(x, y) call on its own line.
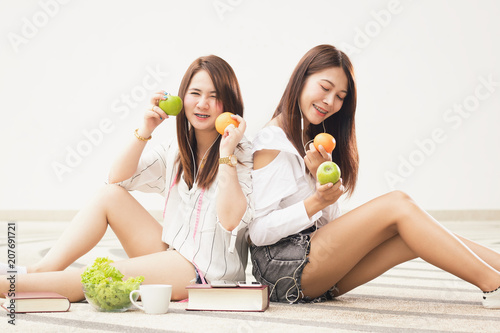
point(71, 68)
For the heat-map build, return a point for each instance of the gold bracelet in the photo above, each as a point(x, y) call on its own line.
point(136, 133)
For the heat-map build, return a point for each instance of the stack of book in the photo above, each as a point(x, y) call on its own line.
point(228, 298)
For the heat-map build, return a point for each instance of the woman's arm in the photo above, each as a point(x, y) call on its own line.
point(268, 228)
point(126, 162)
point(273, 222)
point(324, 196)
point(231, 201)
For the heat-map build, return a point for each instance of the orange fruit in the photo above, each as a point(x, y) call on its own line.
point(326, 140)
point(223, 121)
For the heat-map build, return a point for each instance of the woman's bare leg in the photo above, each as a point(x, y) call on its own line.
point(338, 247)
point(490, 256)
point(390, 253)
point(138, 232)
point(166, 267)
point(394, 252)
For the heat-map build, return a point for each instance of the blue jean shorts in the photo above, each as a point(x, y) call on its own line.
point(197, 279)
point(280, 266)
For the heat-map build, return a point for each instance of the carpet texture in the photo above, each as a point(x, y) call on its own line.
point(412, 297)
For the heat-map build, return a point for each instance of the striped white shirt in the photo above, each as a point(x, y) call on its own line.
point(219, 254)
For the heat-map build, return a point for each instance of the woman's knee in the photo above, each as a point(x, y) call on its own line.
point(401, 203)
point(109, 192)
point(108, 196)
point(399, 196)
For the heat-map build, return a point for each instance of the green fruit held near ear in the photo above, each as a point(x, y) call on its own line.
point(328, 172)
point(172, 105)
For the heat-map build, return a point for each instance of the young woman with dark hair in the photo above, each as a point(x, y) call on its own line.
point(301, 245)
point(208, 204)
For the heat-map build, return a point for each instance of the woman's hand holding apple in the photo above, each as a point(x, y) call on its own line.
point(314, 158)
point(232, 136)
point(153, 116)
point(324, 196)
point(329, 193)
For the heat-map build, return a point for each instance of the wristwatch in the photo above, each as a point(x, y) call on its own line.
point(231, 160)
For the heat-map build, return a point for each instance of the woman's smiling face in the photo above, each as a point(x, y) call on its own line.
point(323, 94)
point(200, 102)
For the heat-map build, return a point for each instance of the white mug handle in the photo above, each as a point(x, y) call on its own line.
point(132, 299)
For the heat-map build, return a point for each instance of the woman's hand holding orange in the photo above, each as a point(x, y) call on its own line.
point(232, 136)
point(314, 158)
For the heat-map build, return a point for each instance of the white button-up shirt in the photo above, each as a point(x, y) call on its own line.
point(280, 189)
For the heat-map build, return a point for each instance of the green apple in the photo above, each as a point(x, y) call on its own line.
point(172, 105)
point(328, 172)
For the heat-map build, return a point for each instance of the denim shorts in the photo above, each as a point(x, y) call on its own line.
point(198, 277)
point(280, 267)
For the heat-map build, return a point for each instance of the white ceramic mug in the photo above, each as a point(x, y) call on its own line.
point(155, 298)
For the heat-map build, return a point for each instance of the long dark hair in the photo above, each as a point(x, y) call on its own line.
point(228, 93)
point(340, 125)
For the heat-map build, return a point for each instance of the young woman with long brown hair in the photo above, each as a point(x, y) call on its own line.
point(208, 205)
point(301, 246)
